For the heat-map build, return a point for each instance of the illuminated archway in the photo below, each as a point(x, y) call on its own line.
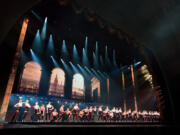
point(30, 78)
point(95, 85)
point(78, 88)
point(57, 82)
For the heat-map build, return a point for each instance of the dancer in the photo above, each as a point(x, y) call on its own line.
point(106, 114)
point(27, 106)
point(75, 112)
point(81, 115)
point(42, 112)
point(114, 113)
point(90, 115)
point(116, 117)
point(61, 110)
point(67, 115)
point(36, 115)
point(94, 112)
point(49, 108)
point(86, 113)
point(18, 108)
point(111, 115)
point(120, 114)
point(100, 113)
point(54, 115)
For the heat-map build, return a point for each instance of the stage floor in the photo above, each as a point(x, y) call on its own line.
point(79, 124)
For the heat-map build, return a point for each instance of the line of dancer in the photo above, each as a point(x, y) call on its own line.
point(92, 113)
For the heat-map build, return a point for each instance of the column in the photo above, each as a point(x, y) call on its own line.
point(16, 60)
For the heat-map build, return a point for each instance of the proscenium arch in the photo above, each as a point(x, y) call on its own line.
point(78, 86)
point(95, 84)
point(57, 82)
point(23, 8)
point(30, 80)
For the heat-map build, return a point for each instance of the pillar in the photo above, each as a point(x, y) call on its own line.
point(11, 80)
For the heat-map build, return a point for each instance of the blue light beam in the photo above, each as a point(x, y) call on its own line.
point(75, 55)
point(67, 68)
point(54, 62)
point(50, 47)
point(85, 60)
point(44, 29)
point(64, 50)
point(74, 68)
point(34, 57)
point(36, 45)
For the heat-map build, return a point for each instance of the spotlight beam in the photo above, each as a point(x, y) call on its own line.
point(95, 73)
point(64, 53)
point(85, 60)
point(86, 44)
point(83, 71)
point(50, 48)
point(75, 55)
point(69, 71)
point(36, 15)
point(89, 71)
point(34, 57)
point(74, 68)
point(44, 29)
point(36, 45)
point(54, 62)
point(95, 61)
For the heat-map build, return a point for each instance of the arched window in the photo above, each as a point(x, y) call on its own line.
point(57, 82)
point(95, 88)
point(30, 78)
point(78, 88)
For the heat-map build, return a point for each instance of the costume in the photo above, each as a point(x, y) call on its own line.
point(75, 112)
point(94, 113)
point(27, 106)
point(90, 115)
point(100, 113)
point(42, 113)
point(49, 108)
point(54, 116)
point(61, 114)
point(66, 115)
point(18, 108)
point(36, 115)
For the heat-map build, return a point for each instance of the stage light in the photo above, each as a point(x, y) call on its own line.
point(83, 71)
point(44, 29)
point(97, 50)
point(107, 57)
point(66, 67)
point(86, 44)
point(24, 57)
point(64, 51)
point(95, 73)
point(95, 62)
point(54, 62)
point(75, 55)
point(36, 45)
point(74, 68)
point(36, 15)
point(34, 57)
point(50, 47)
point(85, 60)
point(89, 71)
point(101, 61)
